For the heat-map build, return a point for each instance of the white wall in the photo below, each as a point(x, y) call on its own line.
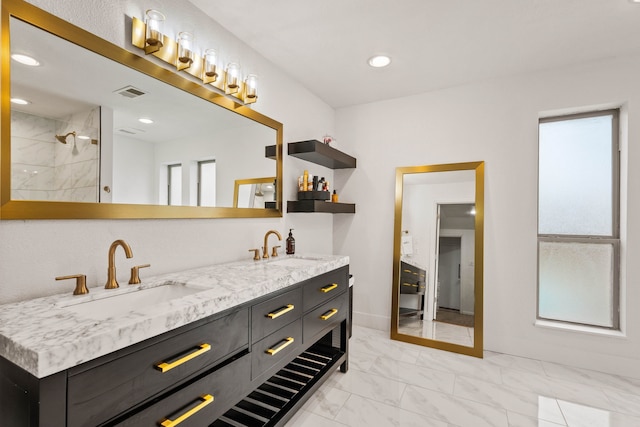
point(494, 121)
point(32, 253)
point(134, 178)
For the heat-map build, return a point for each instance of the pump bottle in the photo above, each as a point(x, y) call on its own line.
point(291, 244)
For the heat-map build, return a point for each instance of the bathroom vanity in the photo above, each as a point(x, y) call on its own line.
point(226, 345)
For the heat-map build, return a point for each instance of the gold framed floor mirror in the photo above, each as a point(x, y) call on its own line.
point(437, 289)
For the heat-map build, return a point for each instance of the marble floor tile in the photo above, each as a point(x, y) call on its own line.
point(626, 403)
point(588, 377)
point(327, 401)
point(414, 374)
point(304, 418)
point(518, 420)
point(369, 385)
point(460, 364)
point(452, 409)
point(586, 416)
point(504, 397)
point(393, 383)
point(359, 411)
point(514, 362)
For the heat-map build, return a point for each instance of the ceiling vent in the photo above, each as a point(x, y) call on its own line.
point(130, 131)
point(130, 92)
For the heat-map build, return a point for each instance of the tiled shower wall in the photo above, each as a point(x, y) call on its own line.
point(43, 168)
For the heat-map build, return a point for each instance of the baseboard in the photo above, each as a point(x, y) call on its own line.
point(381, 323)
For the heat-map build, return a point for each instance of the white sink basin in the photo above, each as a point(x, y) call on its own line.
point(295, 262)
point(120, 304)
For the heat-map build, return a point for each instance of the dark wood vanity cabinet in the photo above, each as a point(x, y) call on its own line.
point(412, 282)
point(254, 364)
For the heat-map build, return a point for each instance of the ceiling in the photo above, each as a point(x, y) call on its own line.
point(433, 44)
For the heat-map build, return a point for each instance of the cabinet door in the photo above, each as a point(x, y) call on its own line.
point(324, 287)
point(324, 318)
point(273, 349)
point(106, 390)
point(200, 403)
point(269, 316)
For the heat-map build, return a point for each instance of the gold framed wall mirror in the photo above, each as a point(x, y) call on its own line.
point(254, 192)
point(437, 298)
point(77, 149)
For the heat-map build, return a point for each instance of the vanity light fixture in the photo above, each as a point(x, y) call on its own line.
point(20, 101)
point(182, 54)
point(250, 92)
point(185, 50)
point(210, 66)
point(232, 80)
point(25, 60)
point(145, 120)
point(379, 61)
point(153, 37)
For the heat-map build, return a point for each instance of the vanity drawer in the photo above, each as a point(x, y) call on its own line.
point(99, 393)
point(323, 288)
point(199, 403)
point(324, 318)
point(278, 346)
point(269, 316)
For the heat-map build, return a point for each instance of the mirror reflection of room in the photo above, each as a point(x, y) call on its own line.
point(125, 138)
point(436, 298)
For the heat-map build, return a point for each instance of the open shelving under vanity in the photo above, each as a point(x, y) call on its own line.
point(321, 154)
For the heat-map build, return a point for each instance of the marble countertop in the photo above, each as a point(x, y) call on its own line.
point(46, 335)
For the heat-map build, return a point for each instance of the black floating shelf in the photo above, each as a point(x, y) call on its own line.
point(320, 206)
point(270, 152)
point(321, 154)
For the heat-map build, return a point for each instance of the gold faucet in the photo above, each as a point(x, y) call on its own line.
point(265, 248)
point(112, 283)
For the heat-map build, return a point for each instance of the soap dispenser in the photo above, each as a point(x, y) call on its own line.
point(291, 244)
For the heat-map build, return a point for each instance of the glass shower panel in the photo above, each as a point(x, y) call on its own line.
point(576, 282)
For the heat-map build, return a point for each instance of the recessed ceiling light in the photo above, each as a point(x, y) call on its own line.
point(20, 101)
point(145, 120)
point(379, 61)
point(25, 59)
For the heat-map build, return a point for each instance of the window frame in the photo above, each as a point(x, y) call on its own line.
point(613, 239)
point(170, 167)
point(199, 184)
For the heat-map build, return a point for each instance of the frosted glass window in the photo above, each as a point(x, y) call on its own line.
point(175, 184)
point(577, 282)
point(207, 183)
point(576, 177)
point(578, 219)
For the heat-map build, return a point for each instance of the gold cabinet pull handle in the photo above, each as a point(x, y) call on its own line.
point(164, 366)
point(273, 351)
point(206, 399)
point(329, 313)
point(406, 284)
point(281, 311)
point(329, 288)
point(406, 271)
